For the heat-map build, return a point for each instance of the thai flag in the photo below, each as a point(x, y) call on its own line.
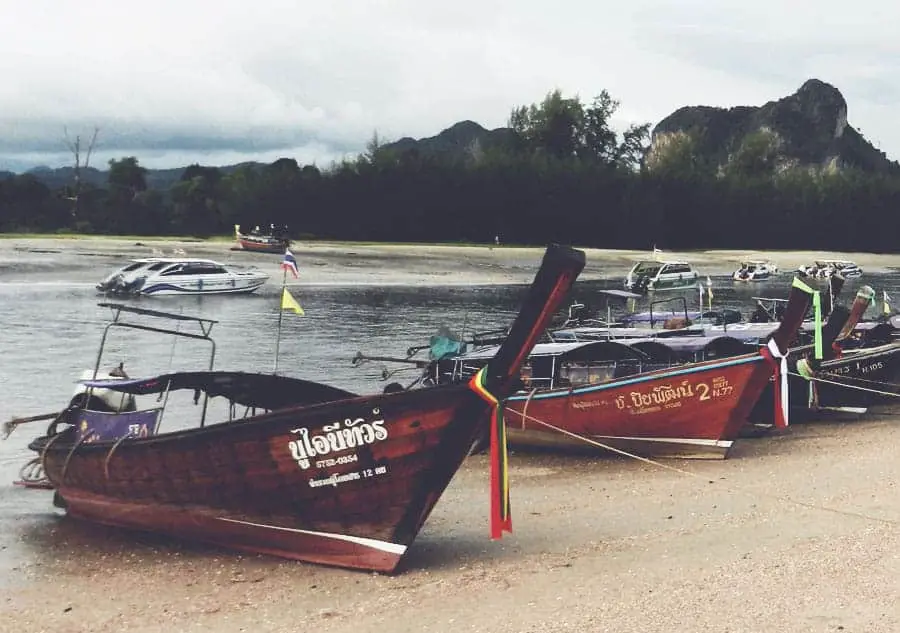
point(290, 263)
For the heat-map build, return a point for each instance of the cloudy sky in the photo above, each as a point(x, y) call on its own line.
point(175, 82)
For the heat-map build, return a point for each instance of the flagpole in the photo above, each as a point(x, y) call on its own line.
point(280, 317)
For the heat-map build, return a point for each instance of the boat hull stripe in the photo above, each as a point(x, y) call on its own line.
point(384, 546)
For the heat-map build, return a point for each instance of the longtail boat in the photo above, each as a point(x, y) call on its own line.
point(684, 396)
point(691, 410)
point(346, 481)
point(259, 242)
point(861, 369)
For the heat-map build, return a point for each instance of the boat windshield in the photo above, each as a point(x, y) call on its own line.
point(647, 268)
point(134, 266)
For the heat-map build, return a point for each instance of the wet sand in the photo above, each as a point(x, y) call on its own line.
point(324, 263)
point(794, 532)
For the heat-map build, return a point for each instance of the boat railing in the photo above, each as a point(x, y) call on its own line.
point(120, 310)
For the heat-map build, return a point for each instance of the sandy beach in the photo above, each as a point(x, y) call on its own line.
point(795, 532)
point(325, 263)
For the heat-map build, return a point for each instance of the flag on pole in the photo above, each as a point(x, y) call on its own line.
point(289, 303)
point(709, 292)
point(887, 305)
point(289, 263)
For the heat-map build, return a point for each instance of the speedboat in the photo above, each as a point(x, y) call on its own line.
point(182, 276)
point(645, 276)
point(755, 270)
point(827, 268)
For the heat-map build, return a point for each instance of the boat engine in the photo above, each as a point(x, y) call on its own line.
point(103, 399)
point(641, 284)
point(117, 285)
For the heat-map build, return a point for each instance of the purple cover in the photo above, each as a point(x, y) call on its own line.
point(99, 426)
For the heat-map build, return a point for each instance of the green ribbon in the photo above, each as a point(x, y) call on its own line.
point(817, 305)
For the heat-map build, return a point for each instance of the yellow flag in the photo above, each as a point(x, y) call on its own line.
point(289, 303)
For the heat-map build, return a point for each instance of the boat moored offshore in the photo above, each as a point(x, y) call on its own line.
point(181, 276)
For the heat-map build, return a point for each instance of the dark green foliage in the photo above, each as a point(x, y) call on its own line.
point(558, 173)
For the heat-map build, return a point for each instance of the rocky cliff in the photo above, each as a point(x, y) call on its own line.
point(807, 129)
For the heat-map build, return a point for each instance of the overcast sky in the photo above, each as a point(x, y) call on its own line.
point(175, 82)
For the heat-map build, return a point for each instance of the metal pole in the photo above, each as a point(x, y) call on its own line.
point(280, 316)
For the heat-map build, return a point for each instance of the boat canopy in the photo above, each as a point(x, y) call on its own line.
point(575, 350)
point(265, 391)
point(688, 347)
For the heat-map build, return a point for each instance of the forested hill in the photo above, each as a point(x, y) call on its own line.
point(557, 172)
point(162, 179)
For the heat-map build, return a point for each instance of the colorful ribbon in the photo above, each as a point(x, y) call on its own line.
point(501, 519)
point(817, 313)
point(806, 371)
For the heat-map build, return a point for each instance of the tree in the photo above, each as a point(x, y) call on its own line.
point(127, 175)
point(75, 147)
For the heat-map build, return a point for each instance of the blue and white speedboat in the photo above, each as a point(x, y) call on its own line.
point(181, 276)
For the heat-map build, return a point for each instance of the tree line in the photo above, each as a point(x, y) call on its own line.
point(560, 174)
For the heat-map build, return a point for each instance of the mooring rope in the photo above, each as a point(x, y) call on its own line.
point(728, 486)
point(849, 386)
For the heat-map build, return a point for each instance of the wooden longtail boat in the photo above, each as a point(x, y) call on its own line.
point(638, 395)
point(860, 370)
point(346, 482)
point(258, 242)
point(694, 410)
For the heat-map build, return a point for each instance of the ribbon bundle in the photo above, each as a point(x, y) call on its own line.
point(501, 519)
point(779, 361)
point(779, 365)
point(817, 313)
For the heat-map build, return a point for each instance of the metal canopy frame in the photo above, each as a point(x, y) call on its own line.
point(205, 325)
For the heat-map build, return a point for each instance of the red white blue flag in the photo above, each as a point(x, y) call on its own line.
point(290, 263)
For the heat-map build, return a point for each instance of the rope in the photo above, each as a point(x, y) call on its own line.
point(849, 386)
point(733, 487)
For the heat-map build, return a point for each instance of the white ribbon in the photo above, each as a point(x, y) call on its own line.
point(783, 370)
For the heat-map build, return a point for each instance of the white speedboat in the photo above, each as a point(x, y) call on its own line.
point(827, 268)
point(755, 270)
point(658, 275)
point(181, 276)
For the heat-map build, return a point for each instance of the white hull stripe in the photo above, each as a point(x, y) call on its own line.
point(384, 546)
point(667, 440)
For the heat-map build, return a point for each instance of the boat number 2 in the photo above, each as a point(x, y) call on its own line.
point(703, 390)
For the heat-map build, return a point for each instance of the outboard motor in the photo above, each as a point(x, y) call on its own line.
point(132, 287)
point(641, 284)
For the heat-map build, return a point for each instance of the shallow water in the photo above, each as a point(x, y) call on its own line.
point(51, 325)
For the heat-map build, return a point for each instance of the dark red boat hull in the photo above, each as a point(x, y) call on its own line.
point(242, 486)
point(273, 246)
point(695, 411)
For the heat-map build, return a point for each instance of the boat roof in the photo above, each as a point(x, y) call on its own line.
point(605, 349)
point(175, 260)
point(663, 261)
point(266, 391)
point(623, 294)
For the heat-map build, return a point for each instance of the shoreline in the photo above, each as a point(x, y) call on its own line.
point(372, 264)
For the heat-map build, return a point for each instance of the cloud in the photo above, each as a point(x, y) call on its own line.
point(314, 80)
